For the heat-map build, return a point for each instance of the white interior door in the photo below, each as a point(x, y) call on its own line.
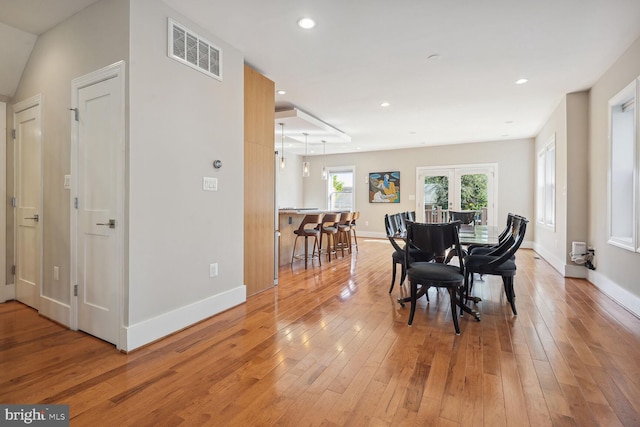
point(28, 194)
point(99, 128)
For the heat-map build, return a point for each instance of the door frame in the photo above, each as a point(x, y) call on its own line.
point(453, 172)
point(35, 101)
point(4, 294)
point(116, 70)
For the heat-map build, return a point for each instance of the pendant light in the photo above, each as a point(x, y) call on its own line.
point(305, 164)
point(324, 160)
point(282, 162)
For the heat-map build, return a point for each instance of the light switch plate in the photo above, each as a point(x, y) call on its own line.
point(209, 183)
point(67, 182)
point(213, 269)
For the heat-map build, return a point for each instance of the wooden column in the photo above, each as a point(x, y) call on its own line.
point(259, 181)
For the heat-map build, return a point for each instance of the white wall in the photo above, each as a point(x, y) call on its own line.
point(569, 124)
point(289, 183)
point(180, 122)
point(618, 270)
point(515, 161)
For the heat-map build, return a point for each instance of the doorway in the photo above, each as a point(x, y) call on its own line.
point(97, 222)
point(28, 200)
point(456, 188)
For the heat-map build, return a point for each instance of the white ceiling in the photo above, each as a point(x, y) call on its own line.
point(363, 53)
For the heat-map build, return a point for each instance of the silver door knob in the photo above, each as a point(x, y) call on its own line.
point(36, 218)
point(110, 224)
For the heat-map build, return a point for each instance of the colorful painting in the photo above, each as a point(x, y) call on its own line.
point(384, 187)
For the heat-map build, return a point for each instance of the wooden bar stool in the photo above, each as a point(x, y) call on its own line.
point(329, 227)
point(309, 227)
point(344, 231)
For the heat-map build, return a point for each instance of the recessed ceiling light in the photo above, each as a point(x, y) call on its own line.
point(281, 92)
point(508, 122)
point(306, 23)
point(384, 104)
point(521, 81)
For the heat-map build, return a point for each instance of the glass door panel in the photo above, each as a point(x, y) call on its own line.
point(456, 188)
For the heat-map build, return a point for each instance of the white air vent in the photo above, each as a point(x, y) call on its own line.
point(191, 49)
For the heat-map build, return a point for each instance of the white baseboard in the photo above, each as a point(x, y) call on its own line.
point(566, 270)
point(554, 261)
point(55, 310)
point(616, 292)
point(8, 292)
point(150, 330)
point(577, 271)
point(372, 234)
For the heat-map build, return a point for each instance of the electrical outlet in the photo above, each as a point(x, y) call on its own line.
point(56, 273)
point(213, 269)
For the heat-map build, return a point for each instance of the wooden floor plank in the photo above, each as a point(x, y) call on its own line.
point(329, 346)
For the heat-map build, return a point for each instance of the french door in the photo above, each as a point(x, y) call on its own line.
point(457, 188)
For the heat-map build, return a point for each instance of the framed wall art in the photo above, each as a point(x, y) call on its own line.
point(384, 187)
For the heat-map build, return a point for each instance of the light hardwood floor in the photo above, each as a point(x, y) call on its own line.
point(329, 346)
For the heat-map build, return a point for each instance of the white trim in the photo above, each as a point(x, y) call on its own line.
point(28, 103)
point(55, 310)
point(576, 271)
point(625, 242)
point(116, 70)
point(555, 262)
point(616, 292)
point(3, 196)
point(160, 326)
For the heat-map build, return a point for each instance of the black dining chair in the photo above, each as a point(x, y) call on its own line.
point(483, 249)
point(393, 226)
point(466, 218)
point(499, 262)
point(434, 240)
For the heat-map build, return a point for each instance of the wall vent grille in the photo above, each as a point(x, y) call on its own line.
point(189, 48)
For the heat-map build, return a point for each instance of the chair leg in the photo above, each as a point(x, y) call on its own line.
point(454, 309)
point(465, 297)
point(316, 246)
point(293, 254)
point(393, 278)
point(306, 251)
point(414, 291)
point(355, 239)
point(508, 289)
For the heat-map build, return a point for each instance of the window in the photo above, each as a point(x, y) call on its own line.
point(340, 189)
point(623, 167)
point(546, 184)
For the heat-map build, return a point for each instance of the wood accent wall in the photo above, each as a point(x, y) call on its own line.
point(259, 181)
